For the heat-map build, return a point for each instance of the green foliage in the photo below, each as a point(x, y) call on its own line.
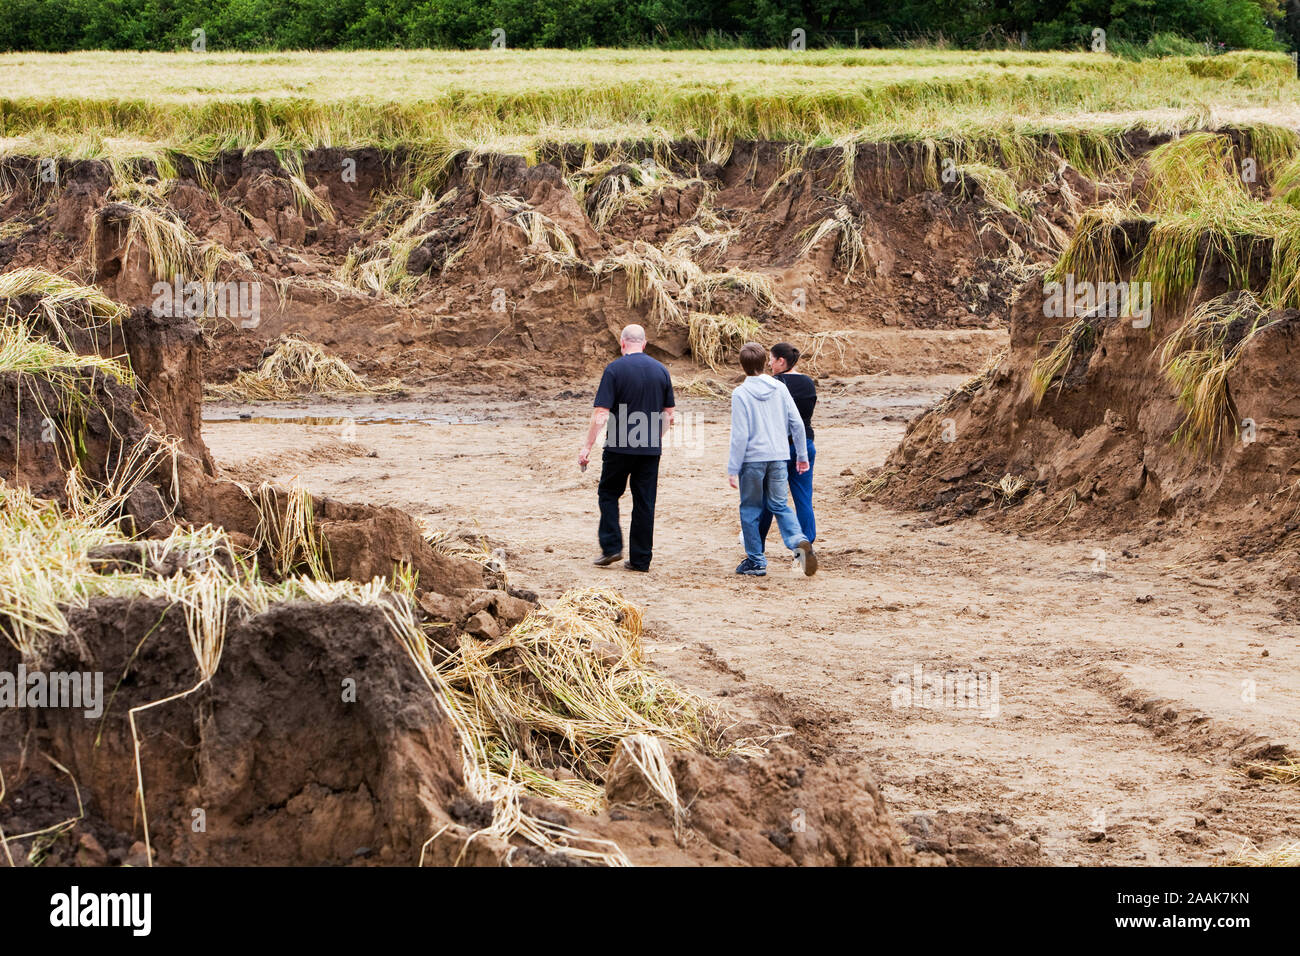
point(1135, 28)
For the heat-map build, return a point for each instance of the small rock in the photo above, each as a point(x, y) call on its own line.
point(89, 852)
point(137, 856)
point(438, 606)
point(483, 625)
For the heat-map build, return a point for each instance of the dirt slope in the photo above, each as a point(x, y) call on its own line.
point(1121, 693)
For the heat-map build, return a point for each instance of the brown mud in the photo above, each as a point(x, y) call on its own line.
point(939, 262)
point(1101, 449)
point(318, 740)
point(1122, 725)
point(1130, 698)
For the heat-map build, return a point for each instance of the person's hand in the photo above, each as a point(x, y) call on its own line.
point(734, 481)
point(584, 456)
point(801, 466)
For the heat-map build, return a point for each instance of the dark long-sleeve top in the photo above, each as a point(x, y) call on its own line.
point(804, 392)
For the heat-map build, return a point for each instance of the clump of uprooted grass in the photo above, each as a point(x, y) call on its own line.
point(65, 304)
point(1286, 854)
point(757, 285)
point(1192, 171)
point(172, 250)
point(973, 384)
point(1286, 184)
point(68, 373)
point(996, 185)
point(57, 292)
point(288, 533)
point(654, 276)
point(24, 352)
point(694, 241)
point(715, 338)
point(1198, 358)
point(1008, 489)
point(1096, 153)
point(702, 388)
point(304, 197)
point(1076, 339)
point(674, 285)
point(849, 248)
point(540, 229)
point(1287, 771)
point(549, 703)
point(817, 346)
point(1098, 247)
point(1198, 214)
point(298, 367)
point(381, 267)
point(869, 485)
point(465, 544)
point(608, 187)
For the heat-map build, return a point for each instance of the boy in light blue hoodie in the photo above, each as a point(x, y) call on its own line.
point(763, 415)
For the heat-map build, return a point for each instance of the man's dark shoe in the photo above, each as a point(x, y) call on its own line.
point(807, 558)
point(632, 567)
point(753, 570)
point(605, 560)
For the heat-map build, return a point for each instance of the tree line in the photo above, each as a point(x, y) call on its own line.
point(1140, 27)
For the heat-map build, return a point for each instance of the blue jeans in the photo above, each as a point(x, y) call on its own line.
point(801, 492)
point(763, 486)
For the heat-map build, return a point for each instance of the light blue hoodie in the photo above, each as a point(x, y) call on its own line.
point(763, 416)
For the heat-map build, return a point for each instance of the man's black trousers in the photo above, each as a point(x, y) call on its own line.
point(617, 469)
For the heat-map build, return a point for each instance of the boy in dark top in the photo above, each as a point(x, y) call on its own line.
point(804, 392)
point(635, 400)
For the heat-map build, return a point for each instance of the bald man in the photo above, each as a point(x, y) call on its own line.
point(635, 400)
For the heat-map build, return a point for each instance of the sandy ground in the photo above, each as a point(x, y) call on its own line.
point(1126, 685)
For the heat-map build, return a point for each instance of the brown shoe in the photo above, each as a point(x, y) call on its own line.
point(605, 560)
point(807, 558)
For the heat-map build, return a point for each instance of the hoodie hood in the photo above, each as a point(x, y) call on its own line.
point(761, 387)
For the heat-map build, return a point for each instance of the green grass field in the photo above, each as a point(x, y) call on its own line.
point(103, 104)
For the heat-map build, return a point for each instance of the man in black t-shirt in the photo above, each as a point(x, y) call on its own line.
point(635, 401)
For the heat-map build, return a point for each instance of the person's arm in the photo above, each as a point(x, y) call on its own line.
point(739, 441)
point(599, 414)
point(794, 422)
point(670, 407)
point(598, 418)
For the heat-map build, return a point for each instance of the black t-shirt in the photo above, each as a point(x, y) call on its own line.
point(804, 392)
point(636, 389)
